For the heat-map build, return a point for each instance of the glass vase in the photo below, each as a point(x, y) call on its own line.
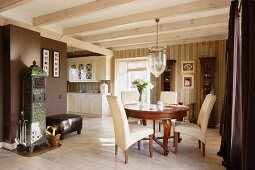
point(141, 100)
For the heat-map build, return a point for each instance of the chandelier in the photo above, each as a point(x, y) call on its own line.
point(157, 57)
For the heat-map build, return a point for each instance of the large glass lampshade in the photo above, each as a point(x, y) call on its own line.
point(157, 60)
point(157, 57)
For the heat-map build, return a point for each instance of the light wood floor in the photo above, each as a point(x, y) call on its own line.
point(94, 149)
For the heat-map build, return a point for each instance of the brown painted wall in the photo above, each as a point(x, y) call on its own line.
point(20, 48)
point(1, 84)
point(56, 87)
point(23, 48)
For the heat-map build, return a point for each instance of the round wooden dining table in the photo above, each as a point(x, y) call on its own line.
point(152, 112)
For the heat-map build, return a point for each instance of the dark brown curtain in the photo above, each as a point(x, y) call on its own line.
point(231, 125)
point(248, 83)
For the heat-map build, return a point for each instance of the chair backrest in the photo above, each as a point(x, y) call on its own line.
point(168, 97)
point(205, 112)
point(120, 122)
point(129, 97)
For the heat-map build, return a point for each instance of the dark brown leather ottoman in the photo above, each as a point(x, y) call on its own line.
point(65, 123)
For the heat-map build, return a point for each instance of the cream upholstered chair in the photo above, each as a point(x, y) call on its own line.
point(127, 134)
point(196, 130)
point(130, 97)
point(167, 97)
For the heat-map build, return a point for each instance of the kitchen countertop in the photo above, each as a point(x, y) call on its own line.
point(86, 93)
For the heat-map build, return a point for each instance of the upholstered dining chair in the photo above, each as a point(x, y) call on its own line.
point(130, 97)
point(167, 97)
point(198, 130)
point(127, 134)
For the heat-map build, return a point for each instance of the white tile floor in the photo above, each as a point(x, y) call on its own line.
point(94, 149)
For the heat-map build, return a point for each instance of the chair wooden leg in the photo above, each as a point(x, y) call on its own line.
point(159, 127)
point(199, 144)
point(151, 145)
point(116, 149)
point(139, 144)
point(126, 156)
point(176, 140)
point(203, 149)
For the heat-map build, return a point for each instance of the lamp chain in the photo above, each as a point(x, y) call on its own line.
point(157, 20)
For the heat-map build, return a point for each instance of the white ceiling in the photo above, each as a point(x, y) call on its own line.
point(26, 12)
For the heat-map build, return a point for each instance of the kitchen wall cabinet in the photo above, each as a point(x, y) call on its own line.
point(88, 103)
point(103, 68)
point(80, 70)
point(89, 69)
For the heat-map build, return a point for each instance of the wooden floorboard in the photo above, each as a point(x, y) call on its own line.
point(94, 149)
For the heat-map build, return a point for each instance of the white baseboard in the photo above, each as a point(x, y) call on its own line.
point(9, 146)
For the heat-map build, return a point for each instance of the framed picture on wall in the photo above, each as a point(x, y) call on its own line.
point(188, 81)
point(188, 67)
point(45, 60)
point(56, 64)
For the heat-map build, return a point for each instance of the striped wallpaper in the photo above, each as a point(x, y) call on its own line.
point(184, 52)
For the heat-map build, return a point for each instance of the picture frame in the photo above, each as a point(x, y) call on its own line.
point(188, 81)
point(56, 64)
point(46, 61)
point(188, 67)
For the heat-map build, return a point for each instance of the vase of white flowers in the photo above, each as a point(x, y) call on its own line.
point(141, 85)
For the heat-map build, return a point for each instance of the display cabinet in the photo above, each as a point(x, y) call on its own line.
point(207, 83)
point(168, 76)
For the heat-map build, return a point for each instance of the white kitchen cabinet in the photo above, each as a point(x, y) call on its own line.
point(86, 103)
point(82, 70)
point(104, 68)
point(89, 69)
point(71, 102)
point(91, 103)
point(96, 101)
point(79, 104)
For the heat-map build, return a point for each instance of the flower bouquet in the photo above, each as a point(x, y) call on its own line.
point(140, 85)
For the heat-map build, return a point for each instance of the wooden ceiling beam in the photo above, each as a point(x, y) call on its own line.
point(223, 18)
point(187, 8)
point(58, 37)
point(174, 42)
point(166, 37)
point(76, 11)
point(9, 4)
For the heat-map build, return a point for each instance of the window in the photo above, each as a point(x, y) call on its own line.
point(127, 70)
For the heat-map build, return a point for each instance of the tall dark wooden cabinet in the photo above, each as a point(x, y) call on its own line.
point(207, 83)
point(168, 76)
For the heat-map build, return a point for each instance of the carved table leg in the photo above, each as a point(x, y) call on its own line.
point(167, 129)
point(144, 122)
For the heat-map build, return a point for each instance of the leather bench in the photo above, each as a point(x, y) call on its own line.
point(65, 123)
